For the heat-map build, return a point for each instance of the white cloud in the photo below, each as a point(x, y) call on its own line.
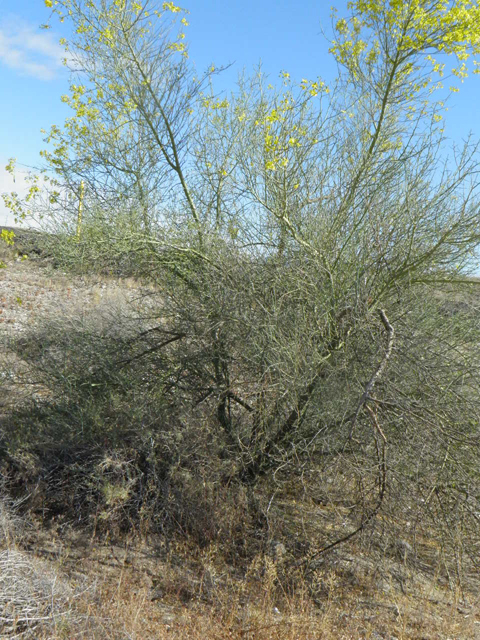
point(30, 52)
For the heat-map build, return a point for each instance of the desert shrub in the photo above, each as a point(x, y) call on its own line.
point(195, 413)
point(310, 336)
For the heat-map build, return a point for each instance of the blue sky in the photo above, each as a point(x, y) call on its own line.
point(282, 34)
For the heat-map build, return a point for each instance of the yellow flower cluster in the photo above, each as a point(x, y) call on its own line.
point(416, 26)
point(170, 6)
point(7, 236)
point(314, 88)
point(178, 46)
point(280, 135)
point(215, 104)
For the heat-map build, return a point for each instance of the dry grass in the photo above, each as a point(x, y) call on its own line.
point(31, 595)
point(254, 607)
point(70, 586)
point(61, 583)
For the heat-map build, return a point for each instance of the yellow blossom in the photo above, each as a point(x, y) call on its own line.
point(170, 6)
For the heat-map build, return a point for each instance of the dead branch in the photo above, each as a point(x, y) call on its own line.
point(377, 373)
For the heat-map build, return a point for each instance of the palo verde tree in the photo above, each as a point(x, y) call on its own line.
point(308, 245)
